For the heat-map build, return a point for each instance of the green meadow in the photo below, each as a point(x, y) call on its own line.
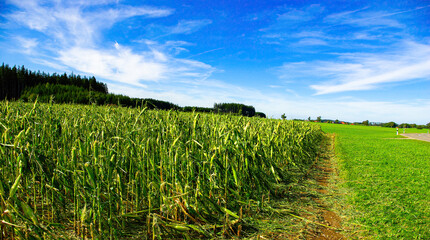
point(386, 181)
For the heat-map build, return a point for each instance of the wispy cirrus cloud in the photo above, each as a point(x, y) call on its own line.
point(182, 27)
point(28, 44)
point(364, 19)
point(74, 23)
point(314, 25)
point(188, 26)
point(301, 15)
point(361, 17)
point(355, 50)
point(311, 42)
point(364, 71)
point(72, 33)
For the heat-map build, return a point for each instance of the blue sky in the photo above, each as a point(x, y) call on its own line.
point(348, 60)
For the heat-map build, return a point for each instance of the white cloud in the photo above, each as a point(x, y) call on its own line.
point(360, 71)
point(291, 19)
point(369, 18)
point(364, 18)
point(121, 65)
point(208, 51)
point(32, 15)
point(27, 44)
point(312, 34)
point(73, 37)
point(182, 27)
point(347, 30)
point(365, 36)
point(74, 24)
point(295, 15)
point(311, 42)
point(188, 26)
point(301, 15)
point(128, 11)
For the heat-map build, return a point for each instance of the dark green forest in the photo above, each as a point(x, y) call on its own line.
point(19, 83)
point(14, 80)
point(244, 110)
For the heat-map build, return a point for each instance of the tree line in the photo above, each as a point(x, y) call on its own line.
point(19, 83)
point(242, 109)
point(367, 123)
point(14, 80)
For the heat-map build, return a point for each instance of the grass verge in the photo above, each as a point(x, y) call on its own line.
point(385, 182)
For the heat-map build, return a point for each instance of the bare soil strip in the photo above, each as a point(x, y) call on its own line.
point(418, 136)
point(329, 218)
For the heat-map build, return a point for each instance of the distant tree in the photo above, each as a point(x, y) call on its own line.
point(197, 109)
point(405, 125)
point(309, 118)
point(235, 108)
point(365, 123)
point(283, 116)
point(319, 119)
point(336, 121)
point(13, 81)
point(390, 124)
point(428, 125)
point(260, 114)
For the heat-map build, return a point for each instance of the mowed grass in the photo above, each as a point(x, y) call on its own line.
point(387, 180)
point(413, 130)
point(70, 171)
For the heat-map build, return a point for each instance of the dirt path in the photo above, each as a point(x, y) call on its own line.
point(418, 136)
point(328, 217)
point(308, 208)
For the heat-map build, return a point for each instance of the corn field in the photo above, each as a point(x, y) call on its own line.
point(70, 171)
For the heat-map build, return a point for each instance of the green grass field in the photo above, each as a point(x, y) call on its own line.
point(386, 179)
